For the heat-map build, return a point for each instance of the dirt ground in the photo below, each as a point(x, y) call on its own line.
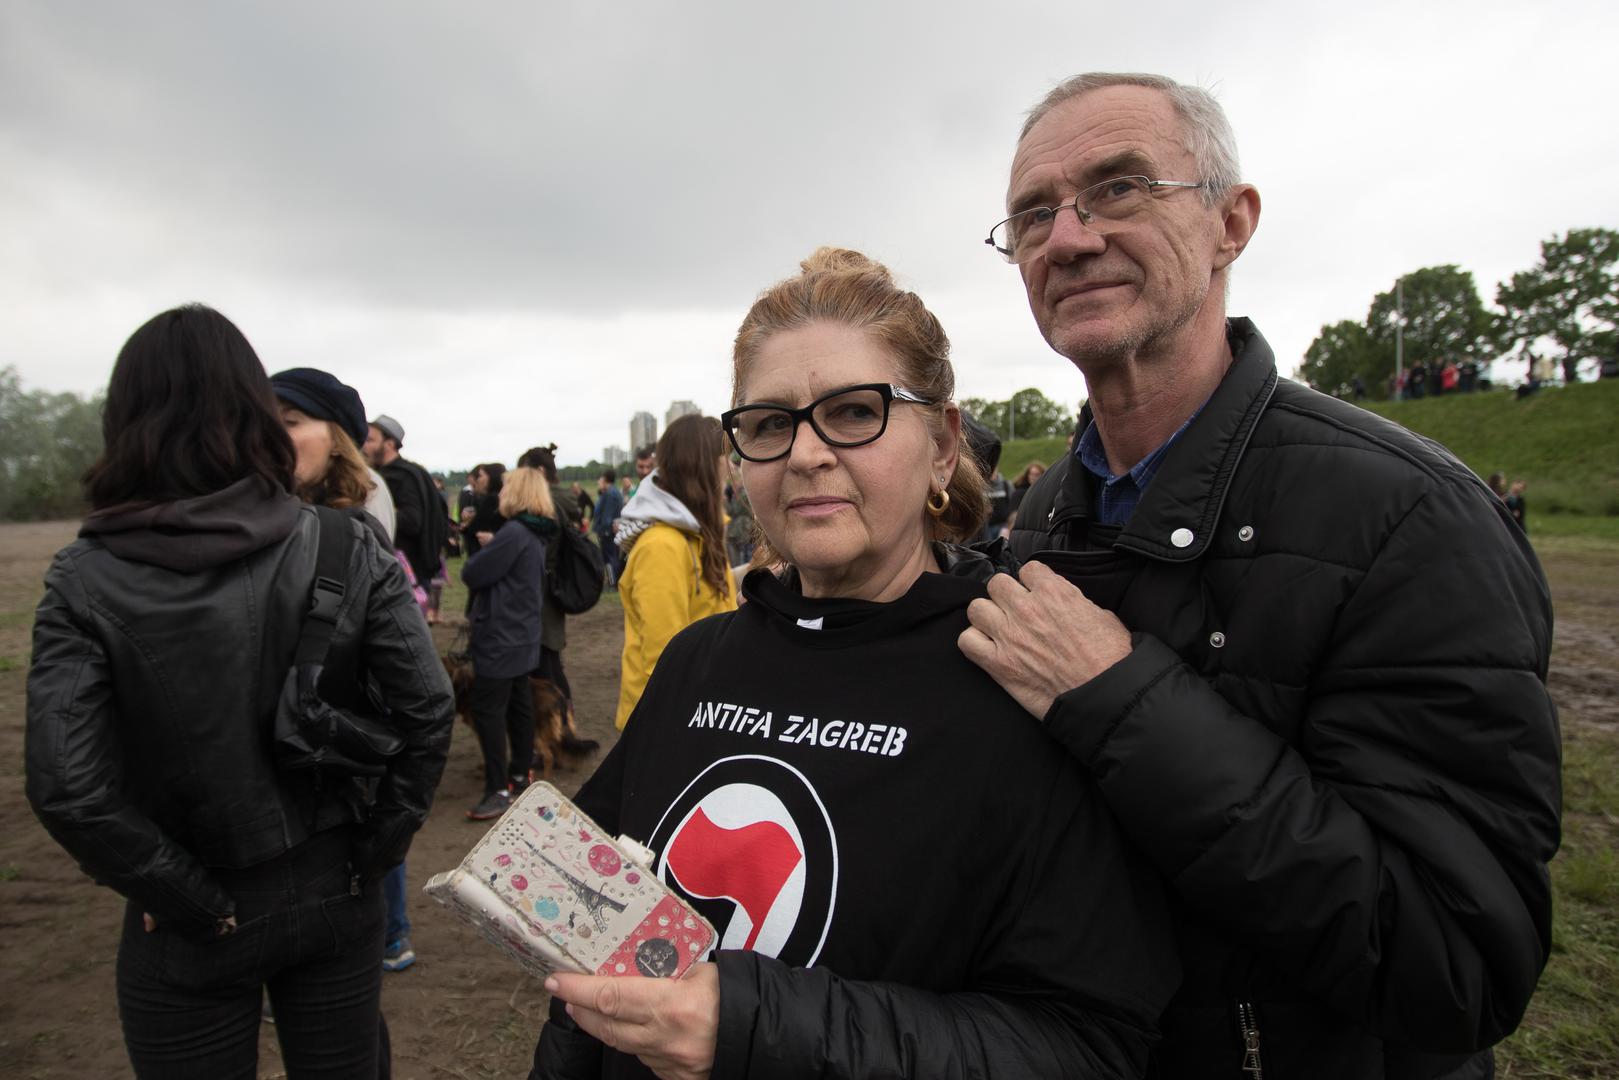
point(463, 1010)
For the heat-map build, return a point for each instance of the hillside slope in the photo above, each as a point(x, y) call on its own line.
point(1563, 442)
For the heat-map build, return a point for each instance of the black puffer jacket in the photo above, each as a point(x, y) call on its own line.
point(160, 649)
point(1332, 737)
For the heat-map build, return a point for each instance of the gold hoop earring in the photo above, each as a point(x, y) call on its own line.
point(937, 509)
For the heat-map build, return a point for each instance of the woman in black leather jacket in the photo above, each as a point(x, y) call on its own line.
point(160, 651)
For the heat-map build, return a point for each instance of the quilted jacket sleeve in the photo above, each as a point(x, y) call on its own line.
point(1390, 854)
point(787, 1022)
point(75, 772)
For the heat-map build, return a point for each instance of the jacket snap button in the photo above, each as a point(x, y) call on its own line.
point(1181, 538)
point(1217, 639)
point(1246, 533)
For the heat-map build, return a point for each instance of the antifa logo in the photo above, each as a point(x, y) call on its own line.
point(749, 844)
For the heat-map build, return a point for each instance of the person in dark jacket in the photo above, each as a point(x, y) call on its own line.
point(1302, 649)
point(553, 620)
point(421, 524)
point(609, 505)
point(506, 580)
point(161, 648)
point(797, 764)
point(482, 514)
point(325, 419)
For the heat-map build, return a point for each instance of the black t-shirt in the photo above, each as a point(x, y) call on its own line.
point(833, 783)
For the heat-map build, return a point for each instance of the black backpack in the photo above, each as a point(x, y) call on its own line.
point(576, 582)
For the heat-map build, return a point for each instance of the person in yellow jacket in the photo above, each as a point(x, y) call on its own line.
point(672, 534)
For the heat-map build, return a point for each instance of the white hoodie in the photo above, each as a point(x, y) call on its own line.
point(649, 505)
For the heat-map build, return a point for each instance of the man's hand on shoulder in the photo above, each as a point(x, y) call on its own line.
point(1041, 637)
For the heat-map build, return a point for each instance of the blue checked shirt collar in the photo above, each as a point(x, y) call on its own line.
point(1117, 496)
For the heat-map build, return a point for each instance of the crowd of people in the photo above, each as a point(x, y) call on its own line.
point(1181, 757)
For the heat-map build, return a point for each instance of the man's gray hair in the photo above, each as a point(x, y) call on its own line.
point(1208, 134)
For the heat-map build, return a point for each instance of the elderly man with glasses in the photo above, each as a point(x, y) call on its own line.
point(1302, 650)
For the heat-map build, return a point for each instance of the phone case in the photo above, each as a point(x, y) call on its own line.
point(550, 887)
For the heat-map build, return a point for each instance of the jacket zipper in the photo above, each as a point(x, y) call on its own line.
point(1250, 1041)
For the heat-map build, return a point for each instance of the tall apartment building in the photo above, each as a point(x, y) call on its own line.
point(643, 430)
point(677, 409)
point(614, 456)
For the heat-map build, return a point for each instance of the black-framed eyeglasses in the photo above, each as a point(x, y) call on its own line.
point(1023, 235)
point(850, 416)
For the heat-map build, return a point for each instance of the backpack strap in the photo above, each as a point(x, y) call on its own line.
point(326, 594)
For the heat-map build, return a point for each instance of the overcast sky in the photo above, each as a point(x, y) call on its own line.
point(516, 223)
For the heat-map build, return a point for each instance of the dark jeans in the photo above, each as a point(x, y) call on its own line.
point(502, 709)
point(393, 892)
point(551, 668)
point(190, 1006)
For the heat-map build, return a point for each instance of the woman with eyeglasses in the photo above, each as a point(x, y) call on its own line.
point(672, 535)
point(906, 879)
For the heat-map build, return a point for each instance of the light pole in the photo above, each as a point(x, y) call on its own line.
point(1399, 337)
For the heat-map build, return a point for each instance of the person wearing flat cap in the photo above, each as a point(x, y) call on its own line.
point(423, 520)
point(326, 420)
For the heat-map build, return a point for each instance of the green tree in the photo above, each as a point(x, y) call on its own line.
point(1343, 352)
point(1570, 298)
point(1444, 319)
point(1028, 414)
point(46, 443)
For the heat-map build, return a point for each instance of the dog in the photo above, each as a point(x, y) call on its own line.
point(556, 735)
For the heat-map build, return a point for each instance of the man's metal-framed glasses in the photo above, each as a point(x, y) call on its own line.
point(1023, 235)
point(850, 416)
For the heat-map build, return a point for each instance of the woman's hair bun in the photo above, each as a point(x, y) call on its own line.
point(842, 260)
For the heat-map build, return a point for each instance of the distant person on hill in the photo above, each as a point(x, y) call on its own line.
point(1498, 484)
point(1416, 383)
point(1516, 506)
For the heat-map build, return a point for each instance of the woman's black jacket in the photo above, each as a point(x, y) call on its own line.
point(160, 649)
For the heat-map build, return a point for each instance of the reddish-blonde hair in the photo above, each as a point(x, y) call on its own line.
point(837, 285)
point(347, 481)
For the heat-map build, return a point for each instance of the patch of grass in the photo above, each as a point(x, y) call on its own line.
point(1560, 441)
point(13, 663)
point(1592, 877)
point(10, 872)
point(1603, 530)
point(1572, 1027)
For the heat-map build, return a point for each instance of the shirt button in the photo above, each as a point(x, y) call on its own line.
point(1246, 533)
point(1181, 538)
point(1217, 639)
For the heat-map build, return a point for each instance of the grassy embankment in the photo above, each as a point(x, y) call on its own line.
point(1563, 443)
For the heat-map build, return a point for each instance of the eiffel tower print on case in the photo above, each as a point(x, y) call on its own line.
point(593, 899)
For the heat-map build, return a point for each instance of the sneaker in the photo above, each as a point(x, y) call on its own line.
point(398, 955)
point(494, 804)
point(517, 785)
